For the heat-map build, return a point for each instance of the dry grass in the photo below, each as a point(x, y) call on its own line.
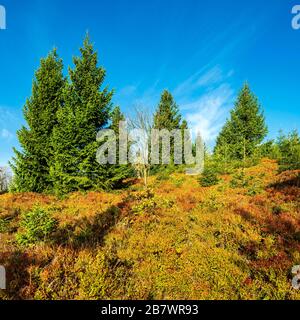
point(178, 241)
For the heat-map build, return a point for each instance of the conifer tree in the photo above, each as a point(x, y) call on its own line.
point(183, 127)
point(31, 165)
point(116, 117)
point(167, 115)
point(86, 111)
point(289, 147)
point(245, 129)
point(117, 173)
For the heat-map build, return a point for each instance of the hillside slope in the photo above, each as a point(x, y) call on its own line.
point(177, 240)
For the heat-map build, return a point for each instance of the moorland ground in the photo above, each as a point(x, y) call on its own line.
point(174, 240)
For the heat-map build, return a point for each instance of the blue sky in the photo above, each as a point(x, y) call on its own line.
point(202, 51)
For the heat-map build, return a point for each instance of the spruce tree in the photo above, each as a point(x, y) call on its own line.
point(117, 173)
point(86, 111)
point(245, 129)
point(31, 164)
point(289, 147)
point(116, 117)
point(183, 127)
point(167, 115)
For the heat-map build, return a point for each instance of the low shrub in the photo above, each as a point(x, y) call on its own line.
point(162, 176)
point(4, 224)
point(240, 180)
point(142, 195)
point(209, 178)
point(36, 226)
point(213, 203)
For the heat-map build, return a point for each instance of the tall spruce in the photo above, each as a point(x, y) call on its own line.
point(167, 115)
point(116, 117)
point(184, 127)
point(31, 165)
point(117, 173)
point(86, 111)
point(245, 129)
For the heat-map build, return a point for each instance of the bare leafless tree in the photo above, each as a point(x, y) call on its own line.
point(140, 126)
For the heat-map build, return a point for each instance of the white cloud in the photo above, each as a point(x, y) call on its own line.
point(205, 99)
point(5, 134)
point(199, 80)
point(204, 78)
point(207, 114)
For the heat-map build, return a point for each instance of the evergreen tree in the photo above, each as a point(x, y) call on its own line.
point(289, 146)
point(31, 165)
point(269, 149)
point(85, 112)
point(245, 130)
point(222, 155)
point(116, 117)
point(167, 115)
point(183, 127)
point(117, 173)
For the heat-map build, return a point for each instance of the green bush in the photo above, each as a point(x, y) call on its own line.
point(213, 203)
point(163, 176)
point(4, 223)
point(252, 185)
point(145, 206)
point(240, 180)
point(36, 226)
point(269, 149)
point(255, 189)
point(209, 178)
point(290, 151)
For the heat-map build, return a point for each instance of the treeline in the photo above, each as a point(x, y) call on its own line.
point(63, 116)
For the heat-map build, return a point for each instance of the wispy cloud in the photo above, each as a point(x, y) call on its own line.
point(207, 95)
point(6, 134)
point(207, 114)
point(205, 99)
point(202, 79)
